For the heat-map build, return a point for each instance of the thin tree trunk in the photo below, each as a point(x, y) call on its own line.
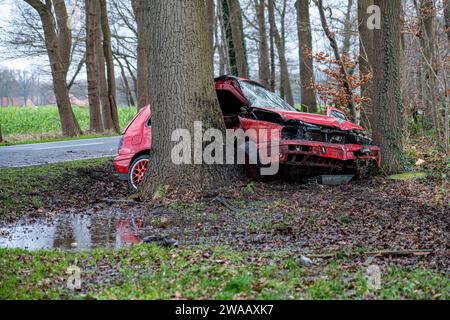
point(273, 71)
point(210, 18)
point(308, 96)
point(347, 29)
point(101, 70)
point(113, 124)
point(237, 32)
point(177, 36)
point(229, 38)
point(387, 97)
point(142, 91)
point(284, 70)
point(264, 64)
point(333, 43)
point(429, 33)
point(96, 124)
point(447, 18)
point(58, 42)
point(224, 58)
point(366, 51)
point(128, 93)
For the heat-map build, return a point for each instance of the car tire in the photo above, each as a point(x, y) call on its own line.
point(137, 171)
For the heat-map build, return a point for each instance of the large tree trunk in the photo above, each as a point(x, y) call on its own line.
point(237, 32)
point(111, 116)
point(308, 96)
point(142, 56)
point(58, 42)
point(286, 87)
point(366, 51)
point(96, 124)
point(264, 64)
point(177, 41)
point(387, 97)
point(1, 135)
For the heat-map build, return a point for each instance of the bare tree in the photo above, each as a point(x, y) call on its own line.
point(264, 63)
point(334, 45)
point(110, 112)
point(177, 37)
point(142, 56)
point(96, 123)
point(58, 43)
point(237, 32)
point(308, 96)
point(427, 23)
point(346, 44)
point(366, 52)
point(286, 88)
point(447, 18)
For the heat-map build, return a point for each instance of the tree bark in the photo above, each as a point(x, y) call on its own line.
point(366, 52)
point(308, 96)
point(284, 70)
point(387, 97)
point(111, 115)
point(142, 56)
point(264, 64)
point(96, 124)
point(177, 40)
point(237, 32)
point(58, 43)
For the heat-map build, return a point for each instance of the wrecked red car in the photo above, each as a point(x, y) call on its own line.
point(310, 144)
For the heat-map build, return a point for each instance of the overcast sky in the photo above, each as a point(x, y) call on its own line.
point(5, 10)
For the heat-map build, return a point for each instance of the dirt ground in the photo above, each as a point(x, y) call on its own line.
point(401, 222)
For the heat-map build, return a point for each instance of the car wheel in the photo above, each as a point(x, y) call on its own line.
point(137, 171)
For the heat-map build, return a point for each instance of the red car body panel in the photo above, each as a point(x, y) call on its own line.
point(137, 138)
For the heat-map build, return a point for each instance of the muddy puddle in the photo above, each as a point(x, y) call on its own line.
point(75, 232)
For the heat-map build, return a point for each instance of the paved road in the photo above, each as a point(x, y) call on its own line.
point(55, 152)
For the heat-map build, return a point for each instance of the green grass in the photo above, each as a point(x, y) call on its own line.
point(149, 272)
point(407, 176)
point(30, 123)
point(28, 188)
point(56, 139)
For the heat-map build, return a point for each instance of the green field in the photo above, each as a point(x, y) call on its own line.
point(40, 123)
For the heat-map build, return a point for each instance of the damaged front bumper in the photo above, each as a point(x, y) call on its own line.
point(327, 155)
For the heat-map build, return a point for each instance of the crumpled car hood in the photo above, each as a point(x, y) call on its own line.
point(320, 120)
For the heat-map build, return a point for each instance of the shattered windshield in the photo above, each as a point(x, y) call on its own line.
point(263, 98)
